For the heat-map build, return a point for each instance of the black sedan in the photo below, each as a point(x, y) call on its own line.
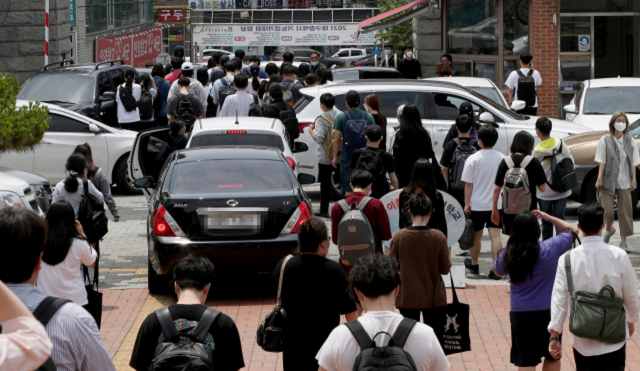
point(237, 206)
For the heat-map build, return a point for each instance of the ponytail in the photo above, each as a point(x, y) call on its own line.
point(255, 81)
point(129, 77)
point(76, 165)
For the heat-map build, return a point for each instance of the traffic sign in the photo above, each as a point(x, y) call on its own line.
point(376, 51)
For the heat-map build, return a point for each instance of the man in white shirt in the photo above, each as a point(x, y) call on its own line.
point(594, 265)
point(513, 81)
point(195, 87)
point(240, 103)
point(479, 174)
point(377, 295)
point(230, 67)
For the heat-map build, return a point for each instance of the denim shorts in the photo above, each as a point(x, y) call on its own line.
point(345, 175)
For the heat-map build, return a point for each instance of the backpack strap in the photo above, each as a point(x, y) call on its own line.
point(344, 205)
point(526, 161)
point(472, 142)
point(328, 119)
point(457, 141)
point(47, 308)
point(348, 114)
point(360, 334)
point(166, 323)
point(207, 319)
point(224, 82)
point(567, 268)
point(290, 87)
point(509, 161)
point(402, 332)
point(255, 99)
point(363, 203)
point(530, 72)
point(519, 73)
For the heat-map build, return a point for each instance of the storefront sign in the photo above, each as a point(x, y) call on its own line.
point(72, 13)
point(276, 35)
point(584, 43)
point(260, 4)
point(136, 49)
point(176, 37)
point(172, 14)
point(568, 85)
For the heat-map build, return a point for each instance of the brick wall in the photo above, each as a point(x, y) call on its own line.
point(544, 48)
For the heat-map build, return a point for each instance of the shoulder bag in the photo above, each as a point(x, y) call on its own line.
point(92, 216)
point(272, 331)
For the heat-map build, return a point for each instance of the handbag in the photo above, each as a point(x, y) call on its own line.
point(466, 240)
point(92, 216)
point(271, 332)
point(595, 316)
point(94, 306)
point(456, 338)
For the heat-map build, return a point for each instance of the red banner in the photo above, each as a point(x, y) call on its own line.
point(136, 49)
point(171, 14)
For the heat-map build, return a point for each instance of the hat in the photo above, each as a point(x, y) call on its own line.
point(374, 133)
point(465, 108)
point(275, 90)
point(399, 113)
point(178, 51)
point(353, 98)
point(254, 68)
point(187, 66)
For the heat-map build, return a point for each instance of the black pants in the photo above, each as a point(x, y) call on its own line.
point(532, 111)
point(162, 121)
point(613, 361)
point(325, 173)
point(432, 317)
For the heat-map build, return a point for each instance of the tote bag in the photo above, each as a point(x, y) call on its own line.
point(94, 307)
point(455, 338)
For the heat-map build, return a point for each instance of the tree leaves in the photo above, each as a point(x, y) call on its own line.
point(399, 35)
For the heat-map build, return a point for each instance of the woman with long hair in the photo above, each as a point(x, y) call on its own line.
point(128, 113)
point(531, 265)
point(254, 79)
point(65, 251)
point(412, 142)
point(147, 85)
point(373, 105)
point(71, 188)
point(98, 177)
point(203, 77)
point(325, 75)
point(303, 71)
point(423, 180)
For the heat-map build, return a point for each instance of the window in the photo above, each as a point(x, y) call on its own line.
point(473, 27)
point(247, 139)
point(391, 100)
point(486, 70)
point(64, 124)
point(356, 52)
point(515, 26)
point(102, 15)
point(582, 6)
point(607, 101)
point(116, 76)
point(344, 53)
point(59, 88)
point(104, 85)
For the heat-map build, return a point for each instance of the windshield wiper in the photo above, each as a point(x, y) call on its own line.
point(56, 102)
point(633, 113)
point(596, 113)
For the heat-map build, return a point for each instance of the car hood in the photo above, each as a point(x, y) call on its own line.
point(585, 138)
point(13, 184)
point(27, 176)
point(600, 122)
point(561, 126)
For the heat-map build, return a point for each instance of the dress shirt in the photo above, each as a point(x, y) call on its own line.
point(240, 102)
point(77, 344)
point(24, 345)
point(623, 176)
point(594, 265)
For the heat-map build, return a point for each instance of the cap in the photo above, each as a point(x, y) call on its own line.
point(187, 66)
point(275, 90)
point(353, 98)
point(178, 51)
point(254, 68)
point(465, 108)
point(399, 112)
point(374, 133)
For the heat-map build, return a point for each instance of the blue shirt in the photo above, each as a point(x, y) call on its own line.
point(261, 75)
point(163, 92)
point(314, 70)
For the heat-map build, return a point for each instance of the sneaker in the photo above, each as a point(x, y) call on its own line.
point(463, 253)
point(606, 236)
point(321, 214)
point(493, 275)
point(474, 269)
point(624, 246)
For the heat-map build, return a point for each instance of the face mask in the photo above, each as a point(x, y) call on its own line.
point(314, 63)
point(387, 52)
point(620, 126)
point(409, 54)
point(366, 107)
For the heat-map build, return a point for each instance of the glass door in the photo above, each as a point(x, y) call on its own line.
point(576, 54)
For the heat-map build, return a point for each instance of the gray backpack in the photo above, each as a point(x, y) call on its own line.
point(355, 235)
point(460, 156)
point(516, 195)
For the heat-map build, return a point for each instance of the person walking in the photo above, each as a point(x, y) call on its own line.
point(195, 87)
point(163, 86)
point(176, 73)
point(99, 179)
point(203, 78)
point(71, 188)
point(617, 156)
point(408, 66)
point(377, 161)
point(254, 79)
point(178, 52)
point(531, 266)
point(316, 65)
point(550, 201)
point(289, 84)
point(287, 60)
point(314, 296)
point(594, 265)
point(412, 142)
point(523, 83)
point(390, 58)
point(465, 109)
point(311, 80)
point(321, 131)
point(373, 105)
point(240, 103)
point(227, 81)
point(324, 75)
point(423, 180)
point(65, 251)
point(127, 96)
point(240, 56)
point(148, 95)
point(276, 103)
point(272, 71)
point(301, 73)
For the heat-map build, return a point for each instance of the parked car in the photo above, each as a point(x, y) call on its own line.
point(66, 130)
point(279, 63)
point(40, 186)
point(302, 55)
point(365, 73)
point(437, 101)
point(88, 89)
point(596, 100)
point(236, 205)
point(480, 85)
point(368, 61)
point(15, 192)
point(208, 53)
point(350, 54)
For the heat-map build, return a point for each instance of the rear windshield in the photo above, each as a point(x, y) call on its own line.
point(248, 139)
point(59, 88)
point(302, 103)
point(229, 176)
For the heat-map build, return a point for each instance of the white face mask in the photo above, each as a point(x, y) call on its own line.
point(314, 63)
point(620, 126)
point(366, 107)
point(409, 54)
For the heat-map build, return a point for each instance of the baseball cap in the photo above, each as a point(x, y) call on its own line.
point(353, 98)
point(254, 68)
point(178, 51)
point(465, 107)
point(374, 133)
point(275, 90)
point(187, 66)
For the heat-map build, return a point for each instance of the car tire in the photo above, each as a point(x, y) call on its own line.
point(591, 192)
point(158, 283)
point(336, 191)
point(123, 179)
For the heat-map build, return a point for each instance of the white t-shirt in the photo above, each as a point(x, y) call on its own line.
point(340, 350)
point(125, 117)
point(624, 182)
point(64, 280)
point(481, 169)
point(512, 82)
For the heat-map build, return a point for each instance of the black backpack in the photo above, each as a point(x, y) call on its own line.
point(527, 88)
point(563, 175)
point(460, 155)
point(127, 99)
point(391, 357)
point(185, 110)
point(157, 103)
point(225, 91)
point(43, 313)
point(176, 354)
point(255, 109)
point(145, 106)
point(290, 122)
point(92, 216)
point(371, 161)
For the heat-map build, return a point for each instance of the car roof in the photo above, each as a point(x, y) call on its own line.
point(464, 81)
point(228, 153)
point(364, 68)
point(244, 122)
point(343, 86)
point(614, 81)
point(87, 68)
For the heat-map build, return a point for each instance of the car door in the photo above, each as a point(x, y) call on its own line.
point(108, 109)
point(66, 131)
point(355, 54)
point(142, 160)
point(18, 160)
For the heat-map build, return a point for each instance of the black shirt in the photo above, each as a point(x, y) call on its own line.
point(535, 173)
point(273, 109)
point(453, 133)
point(408, 147)
point(438, 219)
point(223, 337)
point(450, 148)
point(172, 104)
point(410, 69)
point(380, 185)
point(377, 118)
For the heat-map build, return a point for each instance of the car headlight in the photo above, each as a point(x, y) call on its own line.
point(12, 199)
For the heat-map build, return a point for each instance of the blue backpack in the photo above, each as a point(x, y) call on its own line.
point(354, 132)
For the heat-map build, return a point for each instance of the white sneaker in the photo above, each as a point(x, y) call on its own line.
point(606, 236)
point(463, 253)
point(624, 246)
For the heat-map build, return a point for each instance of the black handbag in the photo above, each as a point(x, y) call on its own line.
point(271, 332)
point(94, 306)
point(92, 216)
point(455, 338)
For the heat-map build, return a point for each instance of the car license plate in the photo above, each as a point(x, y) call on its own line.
point(233, 218)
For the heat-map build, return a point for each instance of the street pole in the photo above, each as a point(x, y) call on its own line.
point(46, 32)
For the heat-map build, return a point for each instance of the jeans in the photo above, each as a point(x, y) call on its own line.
point(324, 175)
point(554, 208)
point(345, 175)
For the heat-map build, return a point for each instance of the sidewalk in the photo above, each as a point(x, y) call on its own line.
point(124, 311)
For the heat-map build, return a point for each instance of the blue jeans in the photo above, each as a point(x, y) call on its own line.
point(345, 175)
point(554, 208)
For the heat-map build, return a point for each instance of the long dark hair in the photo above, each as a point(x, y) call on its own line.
point(373, 101)
point(62, 231)
point(422, 178)
point(303, 71)
point(129, 77)
point(325, 76)
point(202, 76)
point(411, 120)
point(145, 82)
point(255, 80)
point(522, 143)
point(523, 247)
point(419, 203)
point(76, 165)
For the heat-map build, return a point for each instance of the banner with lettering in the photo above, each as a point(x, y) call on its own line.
point(136, 49)
point(281, 35)
point(171, 14)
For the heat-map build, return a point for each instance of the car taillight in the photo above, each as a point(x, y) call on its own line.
point(292, 163)
point(302, 125)
point(164, 224)
point(236, 131)
point(358, 64)
point(302, 213)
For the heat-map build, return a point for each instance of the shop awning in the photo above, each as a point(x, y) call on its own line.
point(381, 21)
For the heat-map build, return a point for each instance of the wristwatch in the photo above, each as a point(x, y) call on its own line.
point(554, 338)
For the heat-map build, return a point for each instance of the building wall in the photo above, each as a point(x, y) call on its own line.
point(427, 39)
point(22, 46)
point(544, 48)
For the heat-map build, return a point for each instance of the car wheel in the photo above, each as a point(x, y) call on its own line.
point(123, 179)
point(336, 191)
point(591, 193)
point(158, 283)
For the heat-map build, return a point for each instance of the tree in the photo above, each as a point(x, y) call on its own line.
point(399, 35)
point(20, 128)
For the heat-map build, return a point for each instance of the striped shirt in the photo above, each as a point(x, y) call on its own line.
point(77, 344)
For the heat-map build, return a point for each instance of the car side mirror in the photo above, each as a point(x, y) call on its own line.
point(95, 129)
point(144, 182)
point(300, 147)
point(306, 179)
point(107, 96)
point(571, 108)
point(517, 105)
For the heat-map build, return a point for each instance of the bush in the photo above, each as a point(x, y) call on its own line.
point(20, 128)
point(399, 35)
